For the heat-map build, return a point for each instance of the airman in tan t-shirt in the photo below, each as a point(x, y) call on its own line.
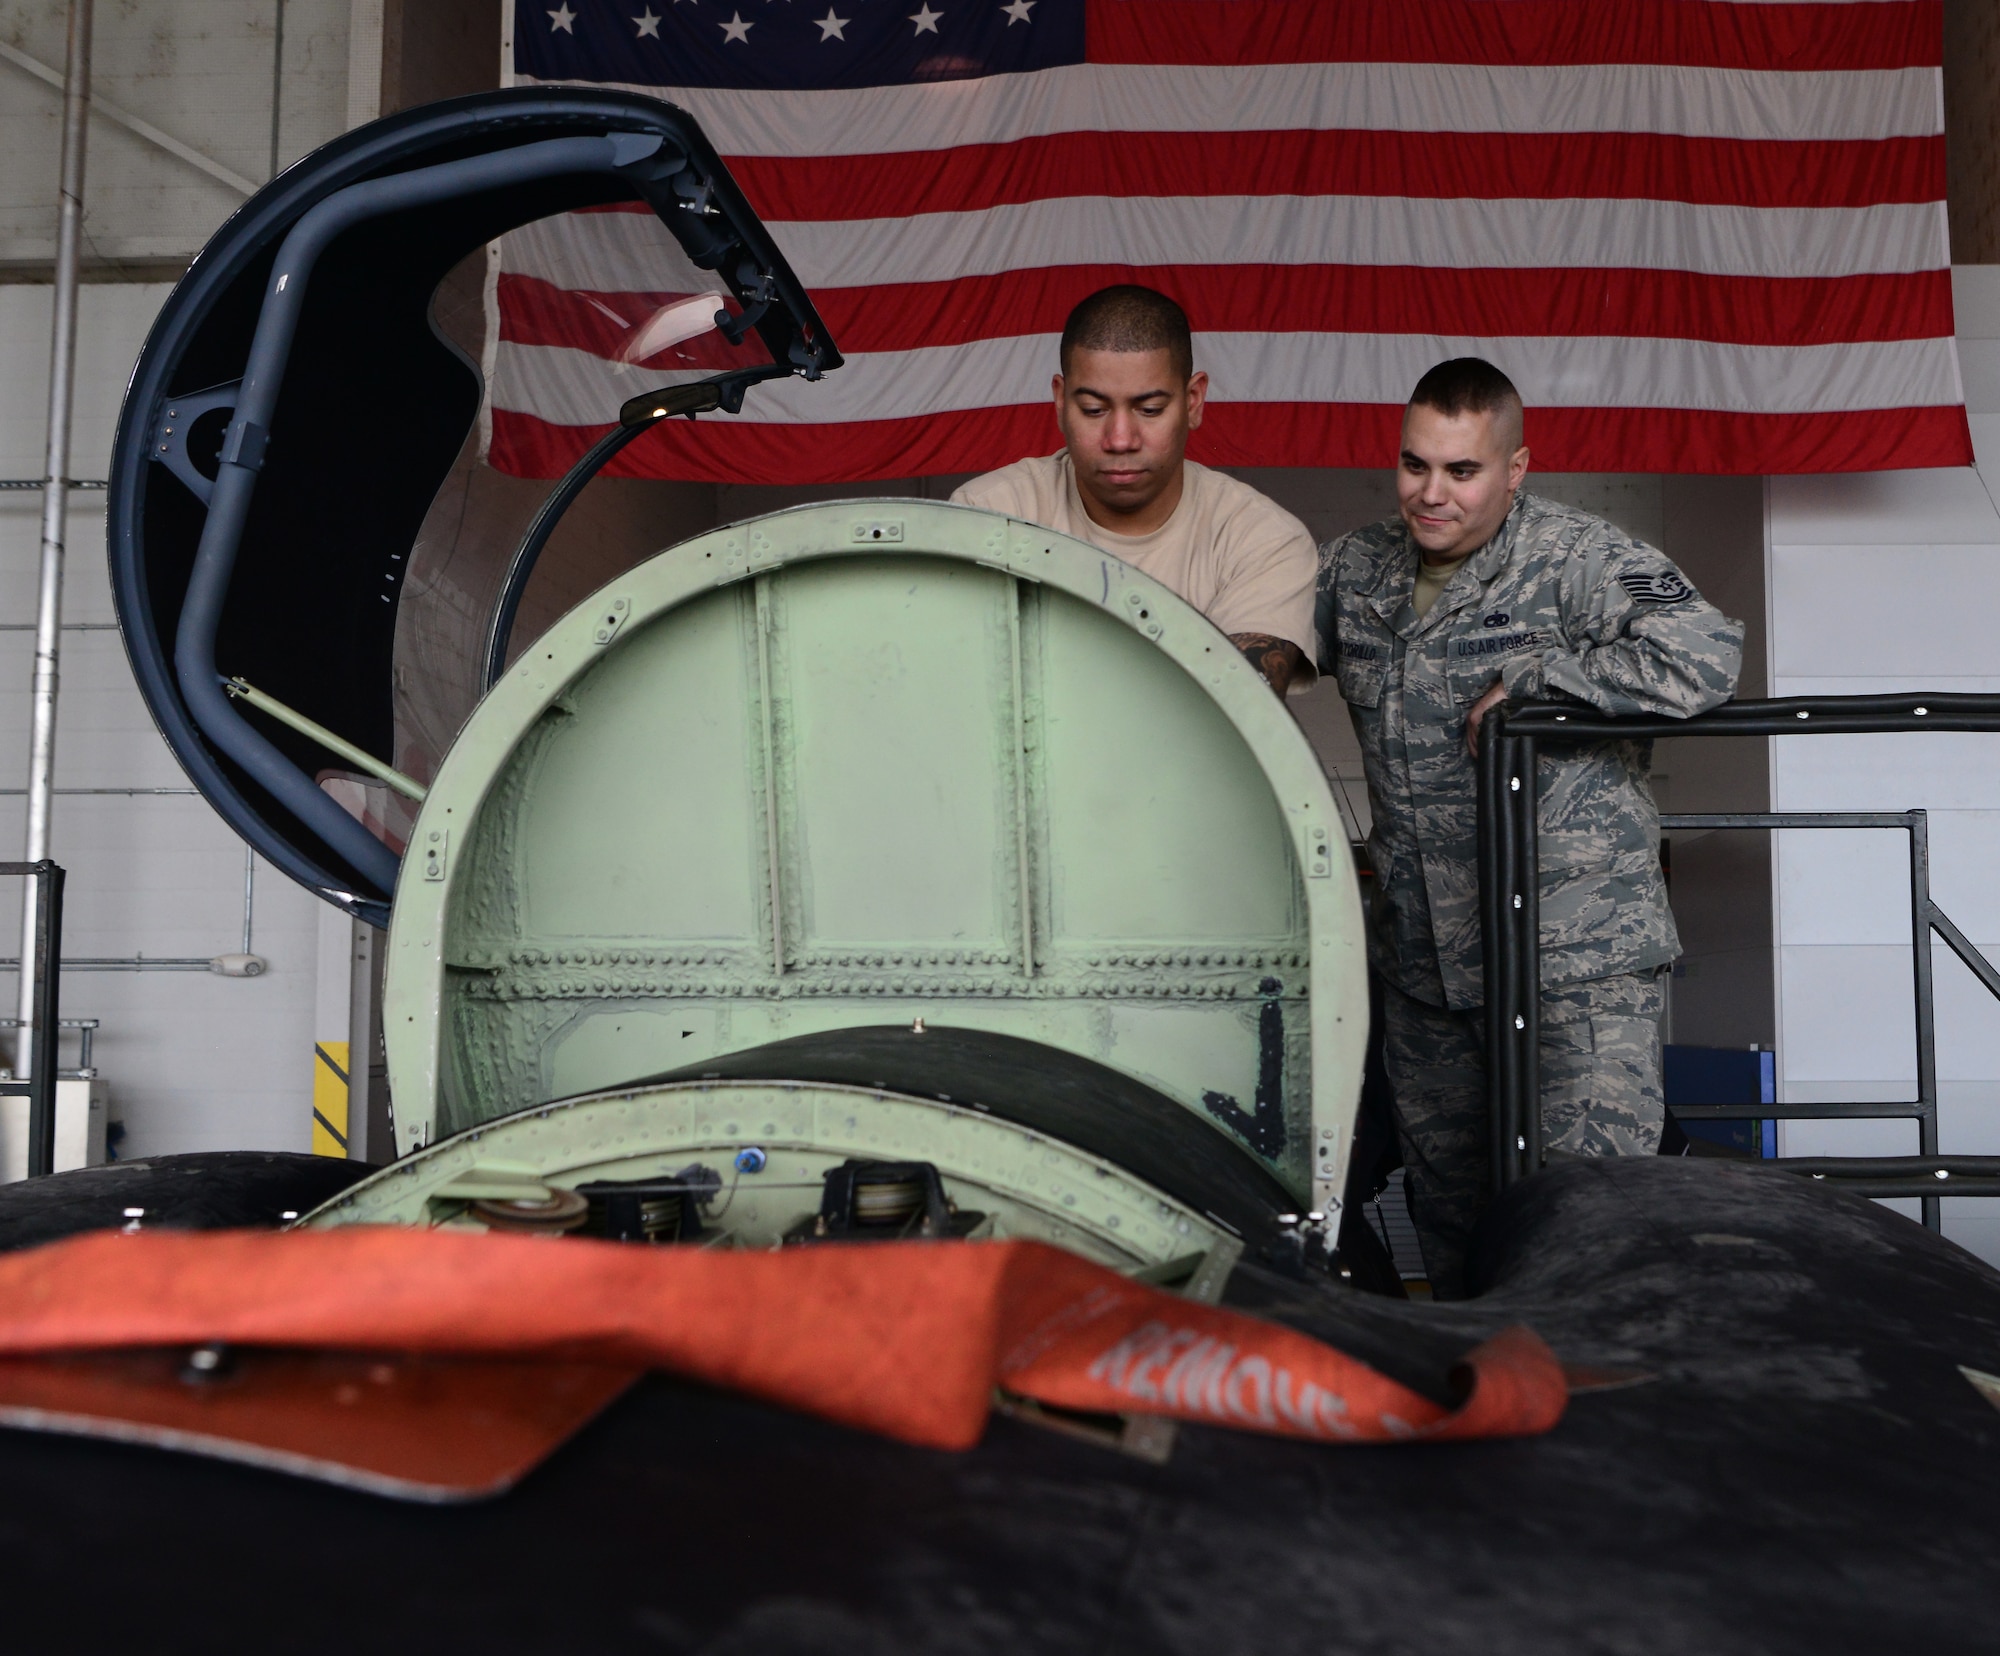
point(1236, 555)
point(1126, 400)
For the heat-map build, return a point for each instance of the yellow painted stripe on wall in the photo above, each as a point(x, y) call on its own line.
point(329, 1105)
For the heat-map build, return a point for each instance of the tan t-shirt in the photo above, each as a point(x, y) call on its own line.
point(1236, 555)
point(1432, 579)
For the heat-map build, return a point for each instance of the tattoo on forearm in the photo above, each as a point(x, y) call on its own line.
point(1278, 659)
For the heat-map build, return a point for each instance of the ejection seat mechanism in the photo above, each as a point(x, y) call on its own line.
point(865, 1201)
point(651, 1210)
point(662, 1209)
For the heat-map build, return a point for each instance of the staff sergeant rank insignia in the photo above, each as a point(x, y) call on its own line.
point(1663, 586)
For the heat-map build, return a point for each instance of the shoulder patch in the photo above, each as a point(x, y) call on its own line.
point(1659, 586)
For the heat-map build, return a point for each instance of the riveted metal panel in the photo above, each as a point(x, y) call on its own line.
point(870, 761)
point(1025, 1184)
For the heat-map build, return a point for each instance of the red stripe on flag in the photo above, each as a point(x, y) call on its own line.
point(715, 451)
point(1792, 35)
point(1359, 299)
point(1357, 435)
point(1668, 440)
point(1434, 165)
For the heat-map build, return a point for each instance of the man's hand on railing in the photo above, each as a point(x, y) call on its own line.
point(1495, 693)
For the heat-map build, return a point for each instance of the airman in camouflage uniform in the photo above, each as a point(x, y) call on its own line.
point(1556, 603)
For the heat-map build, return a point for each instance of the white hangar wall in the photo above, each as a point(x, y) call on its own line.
point(194, 1061)
point(1883, 582)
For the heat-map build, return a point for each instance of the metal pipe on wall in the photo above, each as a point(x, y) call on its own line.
point(277, 80)
point(159, 963)
point(55, 497)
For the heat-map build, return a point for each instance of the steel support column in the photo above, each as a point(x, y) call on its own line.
point(55, 514)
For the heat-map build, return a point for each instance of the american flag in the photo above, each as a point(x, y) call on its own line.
point(1701, 235)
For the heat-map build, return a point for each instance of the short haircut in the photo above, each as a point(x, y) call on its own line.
point(1467, 385)
point(1130, 318)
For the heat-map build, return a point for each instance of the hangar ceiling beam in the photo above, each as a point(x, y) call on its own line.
point(131, 123)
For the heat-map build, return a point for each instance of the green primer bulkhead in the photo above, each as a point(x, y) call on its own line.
point(869, 762)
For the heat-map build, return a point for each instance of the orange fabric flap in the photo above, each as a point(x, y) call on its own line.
point(410, 1426)
point(905, 1339)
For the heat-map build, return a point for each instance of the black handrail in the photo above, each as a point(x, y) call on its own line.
point(1510, 889)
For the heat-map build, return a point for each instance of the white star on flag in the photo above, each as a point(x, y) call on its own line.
point(648, 24)
point(833, 28)
point(562, 18)
point(925, 18)
point(1018, 12)
point(736, 29)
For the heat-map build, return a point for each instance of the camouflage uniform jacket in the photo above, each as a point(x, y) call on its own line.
point(1558, 604)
